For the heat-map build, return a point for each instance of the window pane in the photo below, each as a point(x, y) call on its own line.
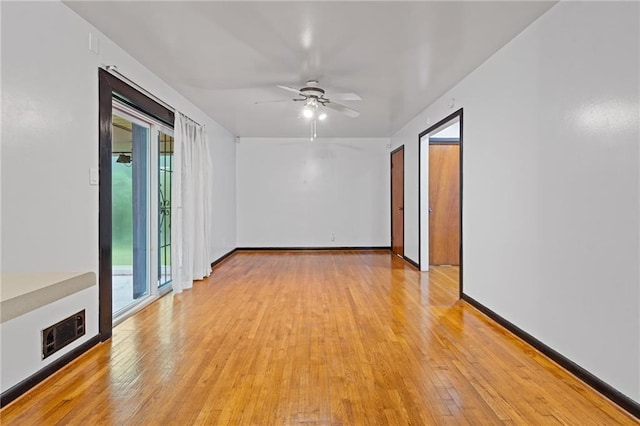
point(165, 170)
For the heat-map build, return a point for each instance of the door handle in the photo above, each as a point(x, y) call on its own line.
point(400, 208)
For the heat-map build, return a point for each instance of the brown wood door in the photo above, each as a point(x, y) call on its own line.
point(444, 204)
point(397, 202)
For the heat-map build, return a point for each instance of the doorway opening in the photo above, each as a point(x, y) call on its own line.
point(440, 196)
point(136, 151)
point(397, 201)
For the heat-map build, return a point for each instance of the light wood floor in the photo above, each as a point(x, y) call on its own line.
point(313, 338)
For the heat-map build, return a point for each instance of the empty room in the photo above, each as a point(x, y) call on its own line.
point(320, 213)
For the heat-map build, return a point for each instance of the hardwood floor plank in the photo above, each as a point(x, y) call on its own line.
point(313, 338)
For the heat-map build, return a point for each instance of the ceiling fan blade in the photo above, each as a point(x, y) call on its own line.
point(344, 96)
point(270, 102)
point(343, 109)
point(291, 89)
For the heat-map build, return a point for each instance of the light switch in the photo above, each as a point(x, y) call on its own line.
point(93, 176)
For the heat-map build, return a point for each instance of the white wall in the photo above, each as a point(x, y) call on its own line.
point(452, 131)
point(224, 189)
point(552, 201)
point(50, 141)
point(295, 193)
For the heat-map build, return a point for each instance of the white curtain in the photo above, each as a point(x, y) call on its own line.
point(191, 204)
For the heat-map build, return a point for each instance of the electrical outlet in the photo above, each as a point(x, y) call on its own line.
point(333, 237)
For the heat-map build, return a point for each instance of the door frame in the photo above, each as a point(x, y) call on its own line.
point(424, 216)
point(110, 88)
point(395, 151)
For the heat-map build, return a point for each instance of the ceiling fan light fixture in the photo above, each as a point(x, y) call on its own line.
point(124, 159)
point(307, 112)
point(315, 97)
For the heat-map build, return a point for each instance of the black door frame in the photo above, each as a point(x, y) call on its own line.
point(110, 87)
point(451, 117)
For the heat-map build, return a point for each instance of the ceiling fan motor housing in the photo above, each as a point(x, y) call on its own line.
point(312, 92)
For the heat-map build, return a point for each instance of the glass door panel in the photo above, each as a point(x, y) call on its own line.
point(130, 212)
point(165, 170)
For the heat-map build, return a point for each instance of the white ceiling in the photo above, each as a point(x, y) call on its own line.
point(224, 56)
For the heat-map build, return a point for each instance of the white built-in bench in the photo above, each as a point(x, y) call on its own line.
point(22, 293)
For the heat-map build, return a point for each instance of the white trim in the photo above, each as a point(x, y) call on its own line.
point(423, 208)
point(135, 116)
point(142, 303)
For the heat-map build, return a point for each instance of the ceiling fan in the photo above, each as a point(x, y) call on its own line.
point(314, 97)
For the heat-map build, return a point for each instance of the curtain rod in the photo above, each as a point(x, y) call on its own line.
point(113, 69)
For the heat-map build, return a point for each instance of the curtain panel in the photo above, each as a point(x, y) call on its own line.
point(191, 197)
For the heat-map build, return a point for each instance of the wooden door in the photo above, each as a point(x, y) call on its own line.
point(444, 204)
point(397, 202)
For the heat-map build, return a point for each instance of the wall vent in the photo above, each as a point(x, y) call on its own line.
point(61, 334)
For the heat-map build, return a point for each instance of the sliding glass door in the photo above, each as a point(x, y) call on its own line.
point(141, 208)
